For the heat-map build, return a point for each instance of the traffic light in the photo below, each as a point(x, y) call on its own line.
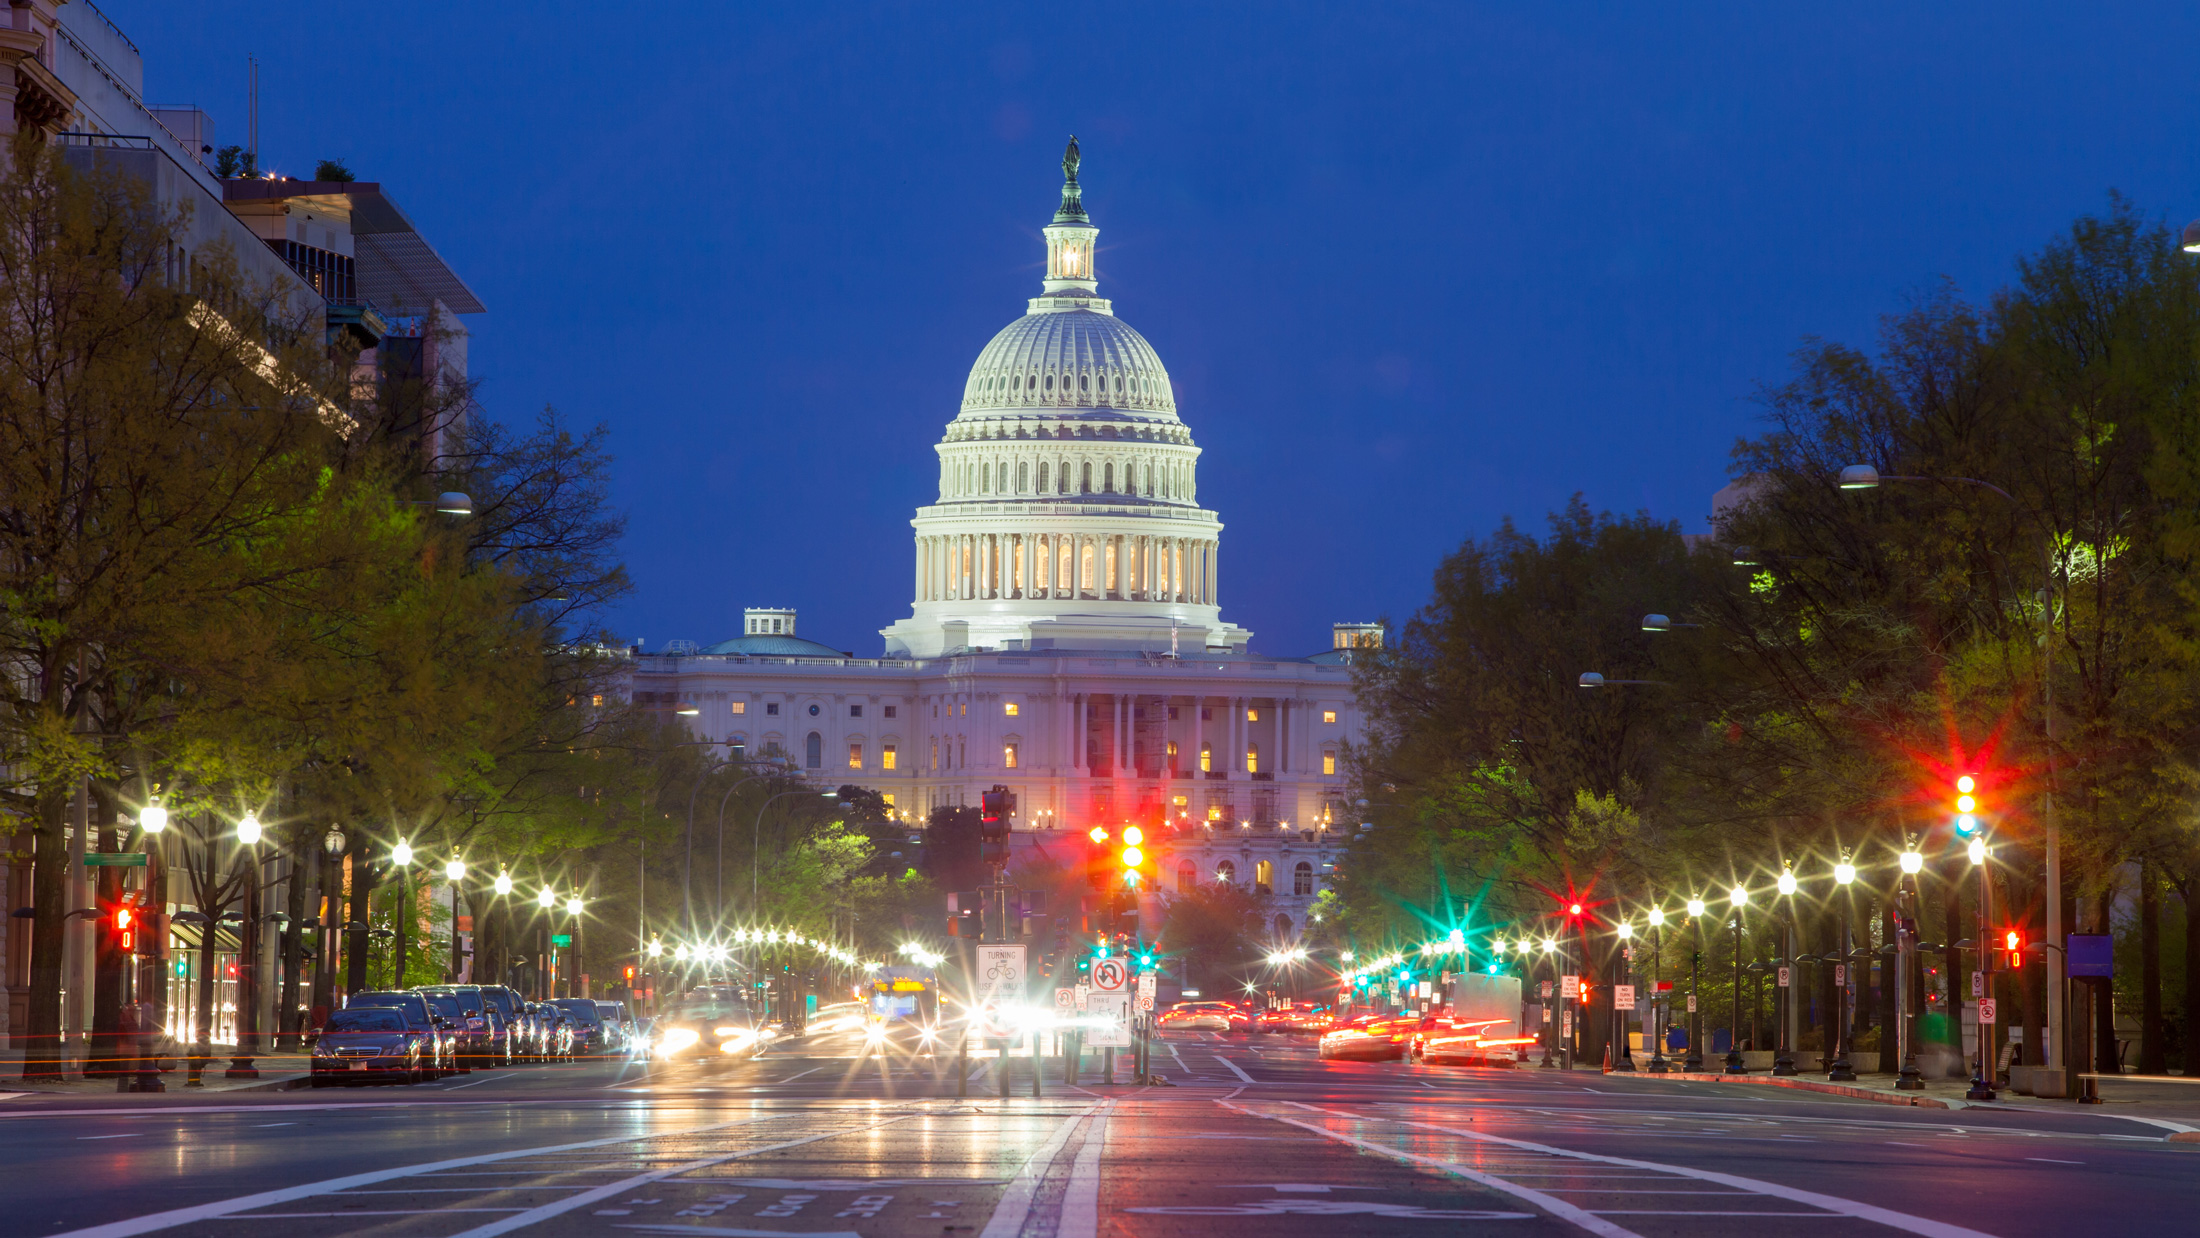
point(2013, 942)
point(125, 930)
point(995, 807)
point(1966, 806)
point(1132, 855)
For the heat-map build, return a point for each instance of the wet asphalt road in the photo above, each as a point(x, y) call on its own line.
point(1255, 1137)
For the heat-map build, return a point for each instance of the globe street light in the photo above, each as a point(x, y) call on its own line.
point(1784, 986)
point(1656, 1027)
point(249, 834)
point(454, 870)
point(401, 856)
point(503, 883)
point(1839, 1070)
point(1623, 1061)
point(1694, 1061)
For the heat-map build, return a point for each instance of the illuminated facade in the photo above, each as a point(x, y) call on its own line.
point(1065, 638)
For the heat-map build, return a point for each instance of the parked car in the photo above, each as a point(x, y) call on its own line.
point(368, 1042)
point(480, 1042)
point(450, 1016)
point(1369, 1038)
point(618, 1023)
point(588, 1030)
point(511, 1010)
point(439, 1043)
point(1205, 1017)
point(557, 1030)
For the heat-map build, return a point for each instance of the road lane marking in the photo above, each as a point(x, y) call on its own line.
point(791, 1078)
point(123, 1135)
point(264, 1125)
point(475, 1084)
point(1081, 1202)
point(1014, 1208)
point(1549, 1203)
point(545, 1212)
point(1833, 1203)
point(2049, 1160)
point(156, 1221)
point(1233, 1067)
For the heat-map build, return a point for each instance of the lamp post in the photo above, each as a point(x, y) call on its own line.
point(1839, 1070)
point(455, 872)
point(1905, 937)
point(1784, 985)
point(1865, 477)
point(718, 912)
point(402, 857)
point(324, 959)
point(1737, 898)
point(1656, 1027)
point(546, 975)
point(153, 980)
point(249, 834)
point(1550, 1001)
point(1622, 1061)
point(502, 911)
point(1983, 1064)
point(575, 984)
point(1694, 1061)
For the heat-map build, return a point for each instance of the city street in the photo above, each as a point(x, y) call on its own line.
point(818, 1138)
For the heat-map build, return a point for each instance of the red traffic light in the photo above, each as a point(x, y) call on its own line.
point(1574, 910)
point(125, 934)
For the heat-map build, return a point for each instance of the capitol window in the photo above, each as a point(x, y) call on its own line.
point(1084, 382)
point(1206, 758)
point(1252, 715)
point(855, 711)
point(889, 711)
point(1042, 476)
point(1009, 709)
point(1302, 879)
point(886, 756)
point(1050, 382)
point(1252, 758)
point(1329, 715)
point(739, 707)
point(855, 756)
point(1329, 763)
point(1008, 756)
point(1225, 871)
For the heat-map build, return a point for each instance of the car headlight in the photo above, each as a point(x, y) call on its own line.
point(723, 1032)
point(677, 1039)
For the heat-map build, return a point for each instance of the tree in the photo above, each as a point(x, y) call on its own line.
point(1210, 932)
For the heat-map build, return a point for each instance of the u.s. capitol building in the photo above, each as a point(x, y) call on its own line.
point(1066, 637)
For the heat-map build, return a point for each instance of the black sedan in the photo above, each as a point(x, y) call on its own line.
point(367, 1043)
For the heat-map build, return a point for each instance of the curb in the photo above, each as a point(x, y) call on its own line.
point(1812, 1085)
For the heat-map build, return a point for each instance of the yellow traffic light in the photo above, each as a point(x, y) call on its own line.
point(1098, 833)
point(1133, 835)
point(1133, 857)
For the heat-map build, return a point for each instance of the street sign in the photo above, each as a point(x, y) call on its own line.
point(1110, 1020)
point(1566, 1024)
point(1692, 1003)
point(1109, 975)
point(1084, 994)
point(1569, 987)
point(1986, 1010)
point(1147, 984)
point(1000, 973)
point(1841, 973)
point(114, 859)
point(1623, 997)
point(1065, 999)
point(1978, 987)
point(1784, 974)
point(1664, 986)
point(1143, 1002)
point(561, 939)
point(1545, 985)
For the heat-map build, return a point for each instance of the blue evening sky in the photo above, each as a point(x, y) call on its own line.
point(1413, 267)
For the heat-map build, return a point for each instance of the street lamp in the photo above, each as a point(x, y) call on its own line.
point(1982, 1060)
point(249, 834)
point(1662, 623)
point(1655, 1029)
point(1694, 1061)
point(1622, 1061)
point(401, 856)
point(454, 870)
point(503, 883)
point(1839, 1070)
point(1737, 899)
point(1784, 985)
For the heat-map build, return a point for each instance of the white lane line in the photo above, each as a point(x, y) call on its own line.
point(709, 1232)
point(1832, 1203)
point(475, 1084)
point(406, 1212)
point(2049, 1160)
point(1549, 1203)
point(123, 1135)
point(1015, 1207)
point(2164, 1123)
point(536, 1215)
point(791, 1078)
point(1081, 1202)
point(264, 1125)
point(156, 1221)
point(1233, 1068)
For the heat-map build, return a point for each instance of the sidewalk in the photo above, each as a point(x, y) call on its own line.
point(2165, 1099)
point(278, 1072)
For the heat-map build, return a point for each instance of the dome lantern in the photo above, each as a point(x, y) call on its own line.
point(1071, 237)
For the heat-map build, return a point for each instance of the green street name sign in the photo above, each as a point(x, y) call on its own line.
point(114, 859)
point(561, 939)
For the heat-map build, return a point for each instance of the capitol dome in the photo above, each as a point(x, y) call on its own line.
point(1068, 512)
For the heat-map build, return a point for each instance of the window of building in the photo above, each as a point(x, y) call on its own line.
point(935, 756)
point(1252, 758)
point(1008, 756)
point(855, 756)
point(1050, 382)
point(1107, 477)
point(1206, 713)
point(1084, 382)
point(1214, 812)
point(1329, 762)
point(1172, 713)
point(1302, 879)
point(1329, 715)
point(855, 711)
point(1225, 871)
point(1187, 877)
point(890, 709)
point(1252, 715)
point(771, 709)
point(1009, 709)
point(1172, 752)
point(888, 796)
point(1206, 757)
point(1264, 877)
point(813, 751)
point(1042, 477)
point(739, 707)
point(886, 756)
point(596, 701)
point(1084, 483)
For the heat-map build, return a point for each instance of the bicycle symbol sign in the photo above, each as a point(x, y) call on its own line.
point(1109, 975)
point(1000, 973)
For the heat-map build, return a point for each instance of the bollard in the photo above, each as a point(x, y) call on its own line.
point(1000, 1064)
point(1036, 1069)
point(1073, 1055)
point(1108, 1060)
point(962, 1065)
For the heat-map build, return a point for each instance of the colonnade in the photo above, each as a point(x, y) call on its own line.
point(1113, 567)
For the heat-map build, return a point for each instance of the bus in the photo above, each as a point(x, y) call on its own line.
point(903, 1000)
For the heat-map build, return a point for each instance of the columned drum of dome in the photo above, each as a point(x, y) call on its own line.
point(1068, 513)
